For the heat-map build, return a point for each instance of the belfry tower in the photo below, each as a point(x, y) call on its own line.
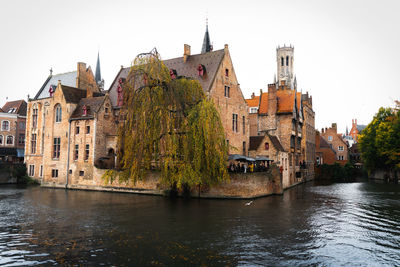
point(284, 60)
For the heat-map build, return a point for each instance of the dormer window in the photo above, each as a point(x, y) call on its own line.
point(84, 110)
point(201, 70)
point(51, 91)
point(173, 74)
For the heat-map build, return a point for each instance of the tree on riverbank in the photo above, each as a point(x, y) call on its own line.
point(380, 141)
point(171, 126)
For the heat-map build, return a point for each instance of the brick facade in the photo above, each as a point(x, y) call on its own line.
point(337, 143)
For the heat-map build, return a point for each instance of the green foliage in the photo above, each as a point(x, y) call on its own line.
point(380, 141)
point(337, 172)
point(170, 126)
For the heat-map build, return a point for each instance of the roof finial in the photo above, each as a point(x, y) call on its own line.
point(51, 71)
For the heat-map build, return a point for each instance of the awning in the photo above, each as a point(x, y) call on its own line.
point(8, 151)
point(240, 158)
point(263, 159)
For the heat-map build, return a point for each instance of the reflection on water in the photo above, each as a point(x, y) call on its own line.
point(340, 224)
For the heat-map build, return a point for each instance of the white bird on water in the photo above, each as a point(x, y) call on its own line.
point(248, 203)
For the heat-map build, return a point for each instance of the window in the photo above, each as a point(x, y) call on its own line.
point(244, 124)
point(87, 152)
point(33, 144)
point(244, 148)
point(227, 91)
point(56, 147)
point(58, 113)
point(227, 143)
point(88, 129)
point(76, 152)
point(287, 60)
point(5, 126)
point(21, 139)
point(31, 171)
point(106, 110)
point(10, 140)
point(266, 146)
point(330, 138)
point(1, 139)
point(253, 110)
point(21, 125)
point(41, 171)
point(54, 173)
point(340, 148)
point(341, 157)
point(282, 62)
point(318, 163)
point(226, 72)
point(286, 164)
point(292, 140)
point(81, 173)
point(235, 123)
point(77, 130)
point(34, 117)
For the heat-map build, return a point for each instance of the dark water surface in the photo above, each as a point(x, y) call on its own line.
point(354, 224)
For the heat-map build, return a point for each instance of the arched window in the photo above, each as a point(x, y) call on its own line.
point(287, 60)
point(10, 140)
point(1, 139)
point(34, 116)
point(282, 62)
point(58, 113)
point(5, 125)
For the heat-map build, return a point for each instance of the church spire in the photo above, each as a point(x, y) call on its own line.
point(207, 47)
point(97, 76)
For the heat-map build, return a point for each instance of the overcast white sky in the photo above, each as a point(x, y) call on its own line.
point(347, 53)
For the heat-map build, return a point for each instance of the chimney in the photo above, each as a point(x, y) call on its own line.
point(186, 52)
point(81, 71)
point(253, 95)
point(272, 100)
point(334, 127)
point(322, 130)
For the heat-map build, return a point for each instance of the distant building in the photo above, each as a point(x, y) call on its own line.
point(287, 115)
point(337, 143)
point(356, 130)
point(324, 153)
point(12, 131)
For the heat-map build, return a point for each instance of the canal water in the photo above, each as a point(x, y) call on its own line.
point(348, 224)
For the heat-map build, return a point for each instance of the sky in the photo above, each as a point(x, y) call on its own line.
point(346, 52)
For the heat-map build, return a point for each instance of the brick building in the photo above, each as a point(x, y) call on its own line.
point(356, 130)
point(324, 153)
point(338, 144)
point(287, 114)
point(70, 124)
point(215, 72)
point(12, 131)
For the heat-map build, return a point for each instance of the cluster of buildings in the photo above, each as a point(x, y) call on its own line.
point(72, 121)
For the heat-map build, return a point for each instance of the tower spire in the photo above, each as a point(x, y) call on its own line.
point(98, 74)
point(207, 47)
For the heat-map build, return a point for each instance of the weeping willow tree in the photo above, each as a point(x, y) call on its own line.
point(171, 126)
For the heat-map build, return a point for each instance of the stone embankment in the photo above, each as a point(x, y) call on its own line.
point(240, 186)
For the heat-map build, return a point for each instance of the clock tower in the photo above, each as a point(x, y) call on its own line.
point(284, 60)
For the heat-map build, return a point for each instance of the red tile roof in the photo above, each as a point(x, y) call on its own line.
point(19, 107)
point(253, 102)
point(285, 101)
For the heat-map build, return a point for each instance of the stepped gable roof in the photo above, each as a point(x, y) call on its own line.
point(277, 144)
point(210, 60)
point(15, 107)
point(253, 102)
point(285, 101)
point(68, 79)
point(72, 94)
point(255, 142)
point(93, 104)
